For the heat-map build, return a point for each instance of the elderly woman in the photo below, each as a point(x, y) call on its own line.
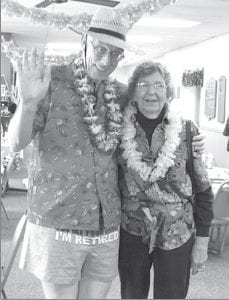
point(159, 226)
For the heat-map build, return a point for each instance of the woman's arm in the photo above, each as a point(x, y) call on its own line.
point(203, 211)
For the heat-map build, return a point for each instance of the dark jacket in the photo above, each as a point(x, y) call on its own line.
point(226, 132)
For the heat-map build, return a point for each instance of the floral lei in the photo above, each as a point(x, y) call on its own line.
point(166, 156)
point(106, 136)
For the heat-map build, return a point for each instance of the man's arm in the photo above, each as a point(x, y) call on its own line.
point(198, 145)
point(33, 82)
point(21, 127)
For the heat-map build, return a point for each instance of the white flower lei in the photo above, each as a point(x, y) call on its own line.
point(166, 155)
point(106, 136)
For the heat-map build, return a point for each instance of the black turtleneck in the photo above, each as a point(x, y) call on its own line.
point(149, 125)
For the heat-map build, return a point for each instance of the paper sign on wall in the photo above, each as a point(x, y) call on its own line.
point(221, 99)
point(210, 98)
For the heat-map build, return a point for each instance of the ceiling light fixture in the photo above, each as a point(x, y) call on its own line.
point(167, 22)
point(143, 39)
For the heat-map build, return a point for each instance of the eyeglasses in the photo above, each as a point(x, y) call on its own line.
point(145, 86)
point(100, 51)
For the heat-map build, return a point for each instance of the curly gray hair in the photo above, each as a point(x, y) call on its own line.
point(148, 68)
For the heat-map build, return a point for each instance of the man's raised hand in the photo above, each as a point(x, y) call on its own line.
point(33, 78)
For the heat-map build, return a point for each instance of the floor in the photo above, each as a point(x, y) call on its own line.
point(211, 284)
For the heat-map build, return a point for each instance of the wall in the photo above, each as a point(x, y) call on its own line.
point(212, 55)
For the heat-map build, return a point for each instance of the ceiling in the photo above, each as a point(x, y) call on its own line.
point(176, 26)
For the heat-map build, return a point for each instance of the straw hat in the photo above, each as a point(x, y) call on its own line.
point(109, 26)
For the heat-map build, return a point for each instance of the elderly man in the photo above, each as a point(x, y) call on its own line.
point(71, 241)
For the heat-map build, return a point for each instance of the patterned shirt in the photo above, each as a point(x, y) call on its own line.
point(70, 180)
point(164, 215)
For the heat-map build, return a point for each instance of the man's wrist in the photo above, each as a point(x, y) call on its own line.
point(28, 107)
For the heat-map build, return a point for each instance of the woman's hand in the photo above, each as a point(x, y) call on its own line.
point(198, 145)
point(199, 254)
point(33, 78)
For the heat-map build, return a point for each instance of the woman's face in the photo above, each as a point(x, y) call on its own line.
point(150, 95)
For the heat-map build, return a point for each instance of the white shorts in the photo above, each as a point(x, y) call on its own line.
point(64, 258)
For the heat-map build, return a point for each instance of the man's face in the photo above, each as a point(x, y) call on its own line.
point(101, 58)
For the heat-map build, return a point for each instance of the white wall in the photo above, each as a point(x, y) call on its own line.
point(212, 55)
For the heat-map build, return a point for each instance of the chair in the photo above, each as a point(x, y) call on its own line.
point(4, 183)
point(17, 238)
point(5, 175)
point(220, 223)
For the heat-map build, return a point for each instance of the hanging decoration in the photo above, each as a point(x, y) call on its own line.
point(82, 21)
point(15, 53)
point(40, 16)
point(136, 10)
point(193, 78)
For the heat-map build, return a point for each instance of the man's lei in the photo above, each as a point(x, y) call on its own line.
point(105, 135)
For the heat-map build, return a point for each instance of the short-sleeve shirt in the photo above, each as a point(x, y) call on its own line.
point(70, 180)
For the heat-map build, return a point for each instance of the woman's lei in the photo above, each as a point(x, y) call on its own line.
point(166, 156)
point(107, 135)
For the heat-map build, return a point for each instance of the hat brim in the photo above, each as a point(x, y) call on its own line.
point(108, 39)
point(113, 41)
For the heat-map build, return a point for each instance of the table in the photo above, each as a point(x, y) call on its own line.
point(217, 176)
point(217, 173)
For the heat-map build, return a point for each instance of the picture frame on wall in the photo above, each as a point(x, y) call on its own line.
point(210, 98)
